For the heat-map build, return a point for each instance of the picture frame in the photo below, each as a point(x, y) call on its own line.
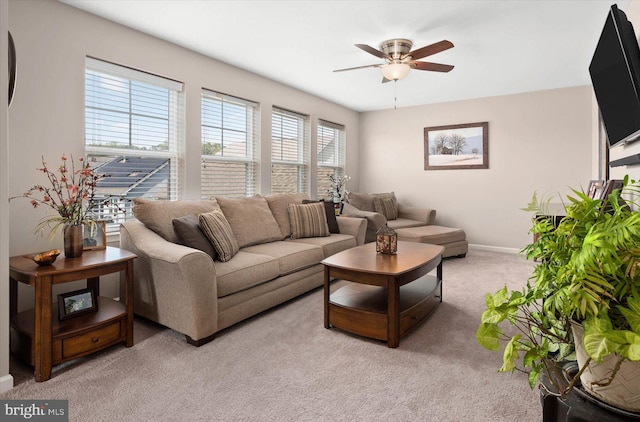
point(456, 147)
point(76, 303)
point(12, 69)
point(610, 186)
point(95, 236)
point(596, 187)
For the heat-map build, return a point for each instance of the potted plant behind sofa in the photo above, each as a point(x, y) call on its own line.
point(588, 275)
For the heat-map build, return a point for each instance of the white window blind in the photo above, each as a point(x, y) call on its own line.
point(229, 138)
point(133, 135)
point(331, 156)
point(289, 152)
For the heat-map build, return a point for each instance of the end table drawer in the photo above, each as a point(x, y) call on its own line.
point(90, 341)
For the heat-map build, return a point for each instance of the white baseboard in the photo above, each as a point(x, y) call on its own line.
point(495, 249)
point(6, 383)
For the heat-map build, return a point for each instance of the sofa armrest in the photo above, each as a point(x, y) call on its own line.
point(357, 227)
point(426, 215)
point(174, 285)
point(374, 220)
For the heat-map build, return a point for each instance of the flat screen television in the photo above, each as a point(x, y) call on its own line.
point(615, 74)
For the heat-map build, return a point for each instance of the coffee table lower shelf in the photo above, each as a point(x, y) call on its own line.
point(362, 309)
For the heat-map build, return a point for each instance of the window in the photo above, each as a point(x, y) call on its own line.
point(331, 156)
point(229, 137)
point(289, 152)
point(133, 134)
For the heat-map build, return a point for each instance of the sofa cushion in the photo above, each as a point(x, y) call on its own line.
point(190, 234)
point(158, 215)
point(364, 201)
point(308, 220)
point(278, 205)
point(435, 235)
point(330, 211)
point(245, 270)
point(401, 223)
point(291, 256)
point(218, 231)
point(375, 220)
point(250, 219)
point(330, 245)
point(386, 207)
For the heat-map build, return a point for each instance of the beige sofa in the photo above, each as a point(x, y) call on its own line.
point(187, 290)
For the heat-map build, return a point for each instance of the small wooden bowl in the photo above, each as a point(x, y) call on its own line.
point(46, 258)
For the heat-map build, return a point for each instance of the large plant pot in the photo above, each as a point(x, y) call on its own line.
point(624, 390)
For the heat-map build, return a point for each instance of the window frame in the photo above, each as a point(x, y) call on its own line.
point(338, 167)
point(251, 141)
point(303, 139)
point(119, 205)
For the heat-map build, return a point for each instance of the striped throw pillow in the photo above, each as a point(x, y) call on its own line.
point(308, 220)
point(386, 207)
point(217, 229)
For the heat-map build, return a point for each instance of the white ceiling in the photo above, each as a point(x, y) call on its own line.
point(501, 47)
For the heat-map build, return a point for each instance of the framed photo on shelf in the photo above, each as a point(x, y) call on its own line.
point(610, 186)
point(76, 303)
point(455, 147)
point(596, 187)
point(95, 235)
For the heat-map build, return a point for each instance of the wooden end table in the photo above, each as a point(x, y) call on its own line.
point(39, 338)
point(388, 295)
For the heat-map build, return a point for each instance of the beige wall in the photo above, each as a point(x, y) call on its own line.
point(538, 141)
point(47, 114)
point(6, 381)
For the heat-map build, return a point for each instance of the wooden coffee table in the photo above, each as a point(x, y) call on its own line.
point(388, 295)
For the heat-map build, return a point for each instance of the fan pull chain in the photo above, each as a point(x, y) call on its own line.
point(395, 95)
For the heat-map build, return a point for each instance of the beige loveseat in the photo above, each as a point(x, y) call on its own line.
point(189, 291)
point(410, 223)
point(363, 205)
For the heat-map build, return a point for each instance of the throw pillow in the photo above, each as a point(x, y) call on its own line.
point(329, 210)
point(250, 219)
point(278, 204)
point(364, 201)
point(190, 234)
point(391, 195)
point(217, 229)
point(308, 220)
point(386, 207)
point(158, 215)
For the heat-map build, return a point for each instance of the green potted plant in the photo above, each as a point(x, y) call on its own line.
point(587, 277)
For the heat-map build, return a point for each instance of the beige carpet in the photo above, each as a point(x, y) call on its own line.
point(283, 365)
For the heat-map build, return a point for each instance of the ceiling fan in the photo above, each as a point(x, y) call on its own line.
point(399, 59)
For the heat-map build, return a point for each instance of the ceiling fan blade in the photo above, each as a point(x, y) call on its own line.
point(385, 80)
point(434, 67)
point(429, 50)
point(357, 67)
point(373, 51)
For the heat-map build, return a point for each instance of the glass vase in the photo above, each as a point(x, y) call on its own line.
point(73, 240)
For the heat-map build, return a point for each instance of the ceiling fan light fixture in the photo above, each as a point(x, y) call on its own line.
point(395, 71)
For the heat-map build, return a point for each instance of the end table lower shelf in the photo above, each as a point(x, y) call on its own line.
point(74, 337)
point(39, 338)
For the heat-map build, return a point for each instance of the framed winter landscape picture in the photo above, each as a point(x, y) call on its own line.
point(453, 147)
